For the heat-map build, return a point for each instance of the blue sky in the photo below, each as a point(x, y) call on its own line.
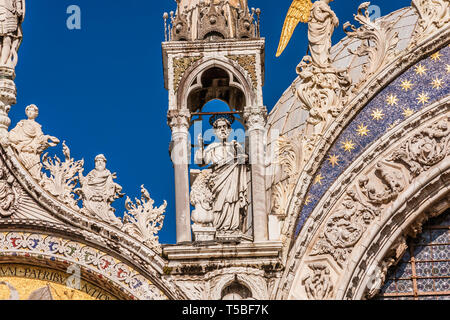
point(101, 88)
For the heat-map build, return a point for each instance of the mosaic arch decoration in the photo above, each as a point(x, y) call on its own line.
point(35, 245)
point(420, 86)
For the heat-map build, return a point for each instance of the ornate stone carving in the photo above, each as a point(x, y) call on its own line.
point(318, 285)
point(63, 177)
point(227, 180)
point(248, 63)
point(378, 41)
point(433, 15)
point(322, 92)
point(345, 228)
point(255, 117)
point(29, 141)
point(425, 149)
point(12, 13)
point(10, 194)
point(202, 199)
point(392, 185)
point(290, 159)
point(98, 191)
point(180, 65)
point(212, 20)
point(143, 221)
point(178, 119)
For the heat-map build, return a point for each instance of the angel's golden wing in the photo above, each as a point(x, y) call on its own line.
point(298, 12)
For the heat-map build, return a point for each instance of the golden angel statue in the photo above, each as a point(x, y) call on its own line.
point(321, 23)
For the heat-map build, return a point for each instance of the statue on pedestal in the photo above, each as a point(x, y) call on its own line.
point(12, 13)
point(98, 191)
point(227, 179)
point(29, 141)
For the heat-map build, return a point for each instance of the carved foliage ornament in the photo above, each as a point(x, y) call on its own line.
point(248, 63)
point(433, 15)
point(180, 65)
point(378, 41)
point(425, 149)
point(63, 177)
point(143, 220)
point(318, 284)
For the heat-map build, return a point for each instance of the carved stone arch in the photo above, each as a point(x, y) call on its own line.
point(44, 214)
point(373, 87)
point(386, 244)
point(192, 80)
point(371, 205)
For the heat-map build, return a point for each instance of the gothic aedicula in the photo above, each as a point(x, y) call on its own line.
point(340, 192)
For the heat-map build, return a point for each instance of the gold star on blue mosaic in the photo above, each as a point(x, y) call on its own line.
point(348, 145)
point(447, 66)
point(334, 160)
point(362, 130)
point(436, 56)
point(408, 112)
point(392, 100)
point(421, 70)
point(423, 98)
point(307, 200)
point(437, 83)
point(318, 179)
point(377, 114)
point(406, 85)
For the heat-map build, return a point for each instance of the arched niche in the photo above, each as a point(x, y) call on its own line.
point(215, 79)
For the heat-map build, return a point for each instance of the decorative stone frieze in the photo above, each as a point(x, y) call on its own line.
point(180, 65)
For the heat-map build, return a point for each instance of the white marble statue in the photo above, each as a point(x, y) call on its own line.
point(228, 180)
point(322, 23)
point(29, 141)
point(12, 13)
point(98, 191)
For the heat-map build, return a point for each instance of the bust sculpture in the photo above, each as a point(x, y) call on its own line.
point(227, 179)
point(29, 141)
point(98, 191)
point(12, 13)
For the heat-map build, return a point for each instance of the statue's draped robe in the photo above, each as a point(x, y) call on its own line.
point(29, 140)
point(320, 29)
point(229, 184)
point(99, 188)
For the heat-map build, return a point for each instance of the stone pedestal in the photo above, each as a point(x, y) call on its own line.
point(204, 234)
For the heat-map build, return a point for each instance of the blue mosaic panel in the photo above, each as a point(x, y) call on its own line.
point(420, 86)
point(424, 275)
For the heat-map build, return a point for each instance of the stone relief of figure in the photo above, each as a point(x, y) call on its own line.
point(29, 141)
point(228, 178)
point(12, 13)
point(8, 198)
point(98, 191)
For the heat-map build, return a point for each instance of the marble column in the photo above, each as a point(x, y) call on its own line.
point(178, 121)
point(255, 120)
